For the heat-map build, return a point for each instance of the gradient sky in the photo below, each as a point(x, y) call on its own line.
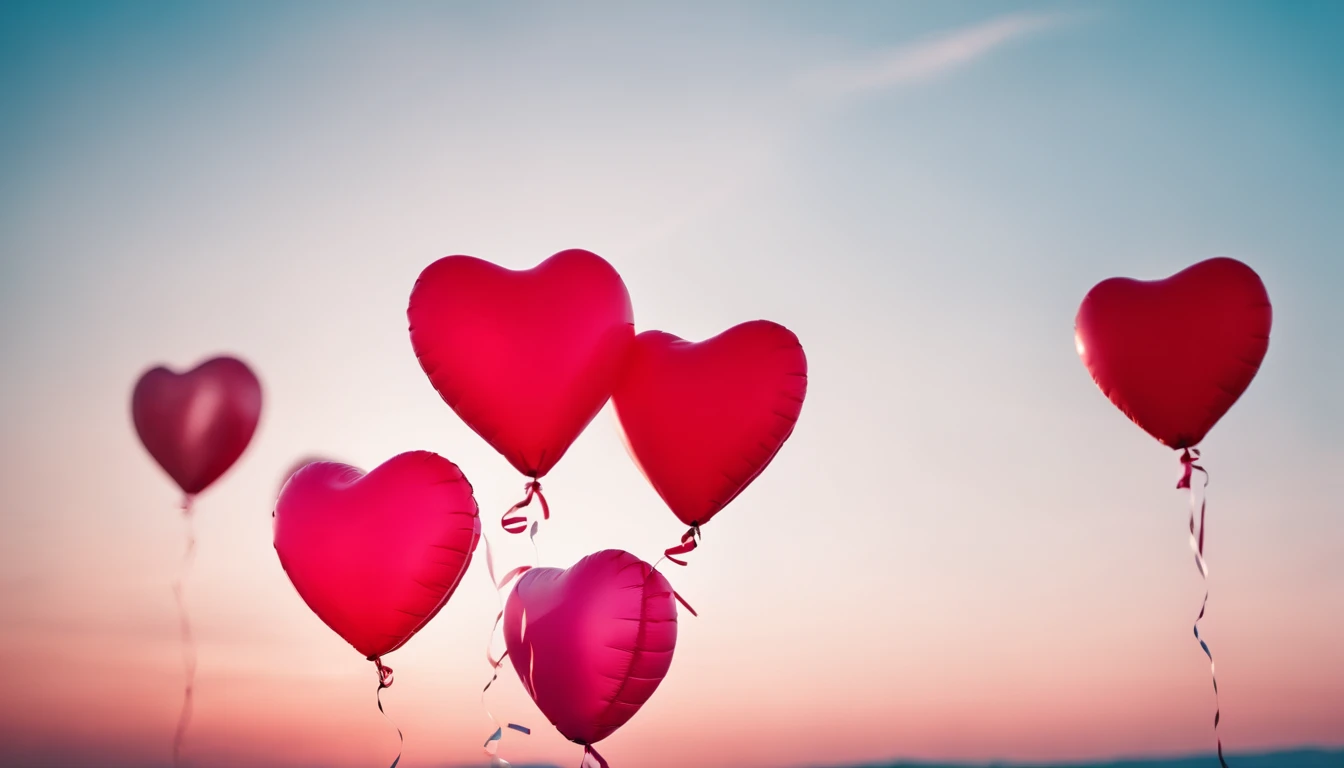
point(964, 551)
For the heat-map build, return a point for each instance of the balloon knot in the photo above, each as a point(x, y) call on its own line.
point(384, 673)
point(1188, 466)
point(513, 523)
point(689, 541)
point(588, 750)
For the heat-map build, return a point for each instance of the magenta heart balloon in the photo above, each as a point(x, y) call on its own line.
point(296, 466)
point(198, 423)
point(376, 555)
point(592, 642)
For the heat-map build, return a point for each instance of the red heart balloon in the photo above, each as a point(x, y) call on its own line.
point(702, 420)
point(198, 423)
point(376, 555)
point(1175, 354)
point(525, 358)
point(591, 642)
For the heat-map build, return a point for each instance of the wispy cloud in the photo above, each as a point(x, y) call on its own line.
point(891, 67)
point(926, 59)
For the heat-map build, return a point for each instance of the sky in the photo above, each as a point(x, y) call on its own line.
point(964, 552)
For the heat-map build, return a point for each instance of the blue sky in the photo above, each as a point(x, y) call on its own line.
point(923, 192)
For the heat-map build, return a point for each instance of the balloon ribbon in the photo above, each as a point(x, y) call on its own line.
point(385, 681)
point(689, 541)
point(491, 745)
point(1188, 459)
point(587, 751)
point(188, 643)
point(518, 523)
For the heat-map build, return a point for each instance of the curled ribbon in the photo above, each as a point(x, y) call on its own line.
point(689, 541)
point(385, 681)
point(518, 523)
point(491, 744)
point(1189, 467)
point(495, 760)
point(188, 643)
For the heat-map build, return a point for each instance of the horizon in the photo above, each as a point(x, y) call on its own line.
point(1303, 757)
point(964, 553)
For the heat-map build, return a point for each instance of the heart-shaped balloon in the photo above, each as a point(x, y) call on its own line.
point(296, 466)
point(591, 642)
point(702, 420)
point(198, 423)
point(525, 358)
point(376, 555)
point(1175, 354)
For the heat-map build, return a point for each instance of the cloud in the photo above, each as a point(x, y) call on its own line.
point(893, 67)
point(924, 60)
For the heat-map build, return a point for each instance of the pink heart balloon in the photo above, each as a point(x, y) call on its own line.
point(591, 642)
point(376, 555)
point(526, 358)
point(703, 419)
point(198, 423)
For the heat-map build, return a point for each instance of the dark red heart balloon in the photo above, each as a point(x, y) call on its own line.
point(198, 423)
point(702, 420)
point(591, 642)
point(376, 556)
point(1175, 354)
point(525, 358)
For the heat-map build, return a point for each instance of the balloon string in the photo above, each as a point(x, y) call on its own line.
point(688, 543)
point(385, 681)
point(597, 758)
point(188, 642)
point(517, 523)
point(1189, 467)
point(492, 743)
